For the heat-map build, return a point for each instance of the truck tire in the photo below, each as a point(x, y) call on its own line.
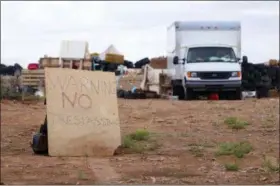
point(179, 91)
point(262, 92)
point(190, 95)
point(238, 94)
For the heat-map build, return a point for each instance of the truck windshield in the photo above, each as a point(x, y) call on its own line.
point(211, 54)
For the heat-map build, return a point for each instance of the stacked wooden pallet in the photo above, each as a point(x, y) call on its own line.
point(51, 62)
point(33, 78)
point(84, 64)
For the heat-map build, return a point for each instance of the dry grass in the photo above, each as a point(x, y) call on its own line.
point(235, 123)
point(238, 149)
point(231, 167)
point(178, 142)
point(139, 141)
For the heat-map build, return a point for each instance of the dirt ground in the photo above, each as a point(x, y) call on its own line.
point(187, 136)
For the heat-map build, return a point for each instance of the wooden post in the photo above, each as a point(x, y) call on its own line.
point(61, 62)
point(22, 95)
point(49, 62)
point(81, 64)
point(71, 64)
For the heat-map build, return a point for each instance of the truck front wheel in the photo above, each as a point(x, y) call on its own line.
point(189, 94)
point(238, 94)
point(179, 91)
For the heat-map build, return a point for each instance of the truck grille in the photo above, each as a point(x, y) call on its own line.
point(214, 75)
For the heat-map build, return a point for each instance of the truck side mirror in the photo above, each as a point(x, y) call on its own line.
point(244, 59)
point(175, 60)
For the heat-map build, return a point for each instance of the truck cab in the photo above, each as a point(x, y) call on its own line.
point(206, 60)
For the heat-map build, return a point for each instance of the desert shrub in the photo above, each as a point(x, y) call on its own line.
point(231, 167)
point(235, 123)
point(139, 141)
point(238, 149)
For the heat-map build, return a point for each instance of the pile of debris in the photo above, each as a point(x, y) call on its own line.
point(159, 63)
point(260, 77)
point(156, 62)
point(10, 70)
point(142, 62)
point(131, 94)
point(136, 94)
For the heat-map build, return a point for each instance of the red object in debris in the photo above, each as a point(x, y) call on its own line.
point(214, 96)
point(33, 66)
point(75, 66)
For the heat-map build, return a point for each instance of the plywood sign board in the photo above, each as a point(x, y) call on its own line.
point(82, 112)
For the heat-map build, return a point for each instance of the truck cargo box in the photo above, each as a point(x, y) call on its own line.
point(183, 34)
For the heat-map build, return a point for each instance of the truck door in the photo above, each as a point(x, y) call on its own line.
point(180, 68)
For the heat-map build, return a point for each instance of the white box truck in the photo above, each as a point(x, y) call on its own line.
point(205, 58)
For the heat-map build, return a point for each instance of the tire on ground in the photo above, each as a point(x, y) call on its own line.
point(190, 94)
point(238, 94)
point(142, 62)
point(262, 92)
point(128, 64)
point(179, 91)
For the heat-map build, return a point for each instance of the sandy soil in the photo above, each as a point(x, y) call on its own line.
point(179, 129)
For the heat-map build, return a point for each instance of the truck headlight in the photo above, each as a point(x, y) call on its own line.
point(192, 74)
point(236, 74)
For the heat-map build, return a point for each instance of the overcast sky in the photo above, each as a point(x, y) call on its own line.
point(137, 29)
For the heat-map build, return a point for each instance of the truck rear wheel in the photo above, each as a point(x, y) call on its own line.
point(179, 91)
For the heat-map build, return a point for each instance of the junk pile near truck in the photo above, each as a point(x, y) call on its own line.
point(260, 78)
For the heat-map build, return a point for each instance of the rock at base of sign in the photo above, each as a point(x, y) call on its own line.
point(40, 144)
